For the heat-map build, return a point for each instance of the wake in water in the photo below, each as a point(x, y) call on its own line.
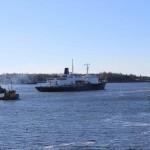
point(73, 145)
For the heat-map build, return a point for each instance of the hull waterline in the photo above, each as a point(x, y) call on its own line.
point(88, 87)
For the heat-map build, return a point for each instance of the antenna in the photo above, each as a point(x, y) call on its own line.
point(72, 66)
point(87, 68)
point(11, 84)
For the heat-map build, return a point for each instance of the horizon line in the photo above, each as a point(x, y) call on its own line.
point(30, 73)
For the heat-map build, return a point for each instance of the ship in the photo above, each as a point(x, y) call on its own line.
point(70, 82)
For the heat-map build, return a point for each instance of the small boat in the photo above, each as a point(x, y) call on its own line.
point(10, 95)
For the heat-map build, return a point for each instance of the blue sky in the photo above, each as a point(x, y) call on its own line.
point(44, 35)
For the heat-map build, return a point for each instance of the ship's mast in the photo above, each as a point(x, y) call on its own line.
point(87, 68)
point(72, 66)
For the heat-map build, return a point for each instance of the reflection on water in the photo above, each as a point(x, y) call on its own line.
point(117, 118)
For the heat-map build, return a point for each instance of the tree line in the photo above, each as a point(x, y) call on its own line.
point(38, 78)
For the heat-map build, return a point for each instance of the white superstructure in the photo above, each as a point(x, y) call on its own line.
point(71, 79)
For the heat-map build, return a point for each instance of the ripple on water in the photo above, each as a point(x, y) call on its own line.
point(115, 119)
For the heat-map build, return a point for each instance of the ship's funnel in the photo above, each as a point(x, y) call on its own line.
point(66, 71)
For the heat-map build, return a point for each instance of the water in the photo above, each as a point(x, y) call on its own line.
point(115, 119)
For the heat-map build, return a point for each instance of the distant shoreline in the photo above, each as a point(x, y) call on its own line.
point(40, 78)
point(131, 82)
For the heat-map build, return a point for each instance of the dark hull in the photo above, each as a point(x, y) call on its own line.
point(10, 98)
point(87, 87)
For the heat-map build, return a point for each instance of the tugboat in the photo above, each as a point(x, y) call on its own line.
point(10, 95)
point(72, 82)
